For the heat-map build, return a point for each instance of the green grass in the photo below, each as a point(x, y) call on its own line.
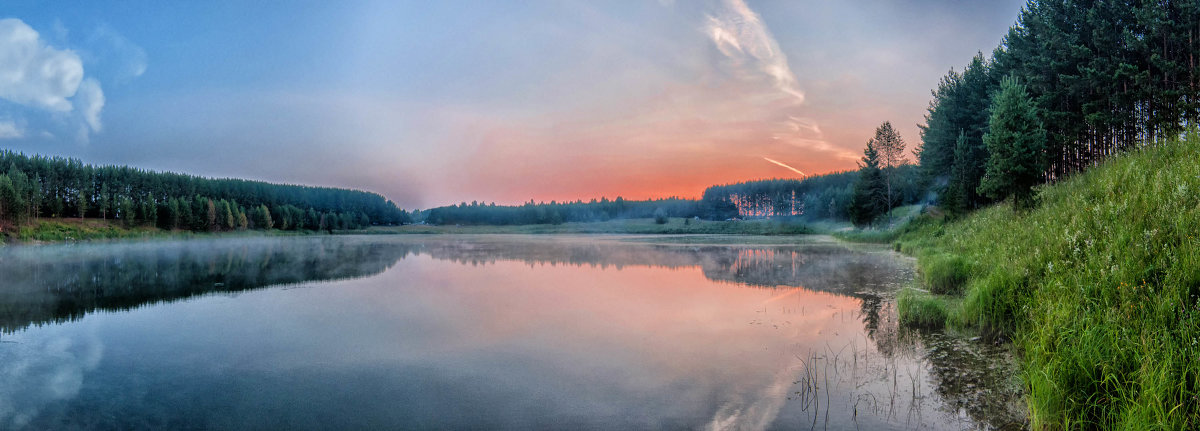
point(921, 310)
point(57, 230)
point(78, 230)
point(904, 219)
point(943, 273)
point(1098, 288)
point(673, 226)
point(74, 229)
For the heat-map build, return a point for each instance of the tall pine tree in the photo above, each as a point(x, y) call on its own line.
point(870, 194)
point(890, 146)
point(1017, 144)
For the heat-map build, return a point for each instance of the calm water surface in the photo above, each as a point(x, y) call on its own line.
point(488, 332)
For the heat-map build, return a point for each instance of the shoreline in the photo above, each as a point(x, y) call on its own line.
point(69, 230)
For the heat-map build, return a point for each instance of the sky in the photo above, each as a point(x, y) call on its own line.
point(435, 103)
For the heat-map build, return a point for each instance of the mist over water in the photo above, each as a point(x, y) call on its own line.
point(507, 332)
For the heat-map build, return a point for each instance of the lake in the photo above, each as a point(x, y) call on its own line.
point(477, 332)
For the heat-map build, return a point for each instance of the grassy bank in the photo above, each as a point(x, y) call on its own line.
point(76, 229)
point(899, 221)
point(58, 230)
point(673, 226)
point(1098, 288)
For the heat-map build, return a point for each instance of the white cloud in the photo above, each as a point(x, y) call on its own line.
point(126, 59)
point(40, 77)
point(11, 130)
point(91, 100)
point(34, 74)
point(741, 36)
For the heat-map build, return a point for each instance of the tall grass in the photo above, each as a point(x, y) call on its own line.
point(905, 219)
point(921, 310)
point(1098, 287)
point(944, 273)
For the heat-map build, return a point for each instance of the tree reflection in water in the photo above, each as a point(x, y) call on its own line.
point(875, 372)
point(57, 283)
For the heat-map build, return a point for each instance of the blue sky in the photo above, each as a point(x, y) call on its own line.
point(433, 103)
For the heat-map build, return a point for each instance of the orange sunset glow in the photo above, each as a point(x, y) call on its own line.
point(433, 104)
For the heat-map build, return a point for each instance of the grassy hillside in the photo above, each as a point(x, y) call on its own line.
point(1098, 288)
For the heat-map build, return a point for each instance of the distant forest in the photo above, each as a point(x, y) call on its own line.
point(33, 187)
point(814, 198)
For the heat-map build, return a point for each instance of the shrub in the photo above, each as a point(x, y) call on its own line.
point(660, 217)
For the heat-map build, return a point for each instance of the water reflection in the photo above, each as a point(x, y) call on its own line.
point(57, 283)
point(44, 284)
point(461, 332)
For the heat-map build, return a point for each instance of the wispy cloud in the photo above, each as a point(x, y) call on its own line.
point(126, 59)
point(785, 165)
point(741, 36)
point(806, 133)
point(91, 100)
point(753, 55)
point(11, 130)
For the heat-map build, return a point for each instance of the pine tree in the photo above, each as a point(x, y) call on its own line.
point(20, 185)
point(868, 201)
point(262, 218)
point(225, 213)
point(104, 200)
point(173, 213)
point(81, 198)
point(1017, 143)
point(126, 211)
point(890, 146)
point(8, 199)
point(210, 215)
point(955, 198)
point(35, 196)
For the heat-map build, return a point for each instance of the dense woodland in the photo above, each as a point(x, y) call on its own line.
point(1100, 77)
point(818, 197)
point(52, 187)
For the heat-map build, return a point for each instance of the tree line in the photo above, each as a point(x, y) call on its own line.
point(478, 213)
point(1082, 80)
point(818, 197)
point(33, 187)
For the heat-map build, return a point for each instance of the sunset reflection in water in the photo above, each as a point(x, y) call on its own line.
point(510, 333)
